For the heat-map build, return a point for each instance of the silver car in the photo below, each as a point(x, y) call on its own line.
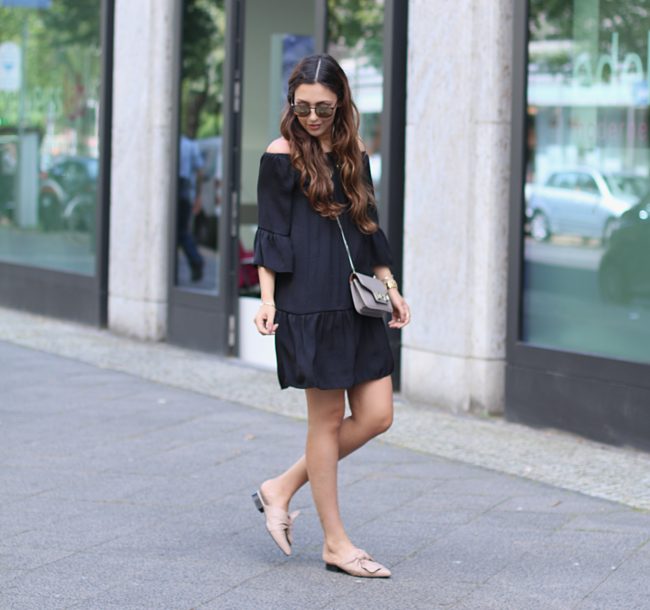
point(582, 202)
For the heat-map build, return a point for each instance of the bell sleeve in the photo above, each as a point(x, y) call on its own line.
point(380, 252)
point(273, 248)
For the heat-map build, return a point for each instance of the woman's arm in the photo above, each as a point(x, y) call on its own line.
point(266, 313)
point(401, 312)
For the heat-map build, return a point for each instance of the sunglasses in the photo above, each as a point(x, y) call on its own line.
point(323, 109)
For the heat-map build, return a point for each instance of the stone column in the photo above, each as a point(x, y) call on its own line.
point(456, 207)
point(140, 168)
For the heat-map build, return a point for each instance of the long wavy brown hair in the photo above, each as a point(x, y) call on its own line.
point(307, 154)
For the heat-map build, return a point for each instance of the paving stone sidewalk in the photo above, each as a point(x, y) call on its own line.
point(117, 492)
point(545, 455)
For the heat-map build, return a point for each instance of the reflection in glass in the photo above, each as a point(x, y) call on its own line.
point(49, 145)
point(586, 255)
point(278, 34)
point(200, 156)
point(355, 30)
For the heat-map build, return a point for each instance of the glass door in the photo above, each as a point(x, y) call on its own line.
point(200, 146)
point(368, 38)
point(235, 59)
point(355, 38)
point(276, 35)
point(199, 314)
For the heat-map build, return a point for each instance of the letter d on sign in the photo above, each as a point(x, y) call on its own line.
point(606, 59)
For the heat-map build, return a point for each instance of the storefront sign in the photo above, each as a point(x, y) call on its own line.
point(609, 68)
point(10, 70)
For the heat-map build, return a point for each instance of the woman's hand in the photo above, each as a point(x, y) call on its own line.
point(264, 319)
point(401, 312)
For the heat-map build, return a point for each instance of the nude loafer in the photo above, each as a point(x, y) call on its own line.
point(361, 565)
point(279, 523)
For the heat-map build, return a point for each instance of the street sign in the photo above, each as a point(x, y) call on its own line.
point(26, 3)
point(10, 69)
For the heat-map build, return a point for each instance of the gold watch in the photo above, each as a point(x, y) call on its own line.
point(389, 282)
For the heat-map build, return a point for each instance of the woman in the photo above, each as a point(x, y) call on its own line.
point(318, 171)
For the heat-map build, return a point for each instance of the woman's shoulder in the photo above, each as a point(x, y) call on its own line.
point(275, 166)
point(279, 146)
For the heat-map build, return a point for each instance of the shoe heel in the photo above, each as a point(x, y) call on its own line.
point(332, 568)
point(258, 502)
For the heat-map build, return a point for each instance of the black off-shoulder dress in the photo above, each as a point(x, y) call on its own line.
point(321, 341)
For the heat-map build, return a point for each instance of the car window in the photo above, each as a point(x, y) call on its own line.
point(562, 180)
point(633, 186)
point(553, 180)
point(641, 186)
point(56, 170)
point(586, 183)
point(74, 172)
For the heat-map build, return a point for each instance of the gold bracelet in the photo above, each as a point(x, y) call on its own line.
point(269, 304)
point(389, 282)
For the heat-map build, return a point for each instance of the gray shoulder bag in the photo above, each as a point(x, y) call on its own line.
point(369, 295)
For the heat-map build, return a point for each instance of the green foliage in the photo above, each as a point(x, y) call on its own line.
point(551, 19)
point(359, 26)
point(556, 20)
point(586, 25)
point(62, 64)
point(203, 48)
point(71, 23)
point(200, 33)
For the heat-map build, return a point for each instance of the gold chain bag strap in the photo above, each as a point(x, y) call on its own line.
point(369, 295)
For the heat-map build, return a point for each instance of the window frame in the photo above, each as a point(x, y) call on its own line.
point(64, 294)
point(604, 398)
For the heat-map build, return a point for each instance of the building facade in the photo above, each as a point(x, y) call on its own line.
point(508, 143)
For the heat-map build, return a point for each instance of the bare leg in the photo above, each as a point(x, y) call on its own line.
point(325, 418)
point(371, 406)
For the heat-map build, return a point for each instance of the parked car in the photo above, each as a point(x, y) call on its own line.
point(582, 202)
point(67, 194)
point(624, 270)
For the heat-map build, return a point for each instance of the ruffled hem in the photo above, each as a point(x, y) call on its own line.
point(273, 251)
point(331, 349)
point(337, 385)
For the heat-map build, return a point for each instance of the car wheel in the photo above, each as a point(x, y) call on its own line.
point(540, 228)
point(78, 215)
point(613, 283)
point(49, 212)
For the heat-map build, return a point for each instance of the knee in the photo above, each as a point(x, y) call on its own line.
point(331, 425)
point(328, 424)
point(377, 423)
point(383, 421)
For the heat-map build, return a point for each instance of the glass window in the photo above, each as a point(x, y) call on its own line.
point(586, 183)
point(563, 180)
point(355, 33)
point(277, 35)
point(200, 146)
point(49, 145)
point(587, 230)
